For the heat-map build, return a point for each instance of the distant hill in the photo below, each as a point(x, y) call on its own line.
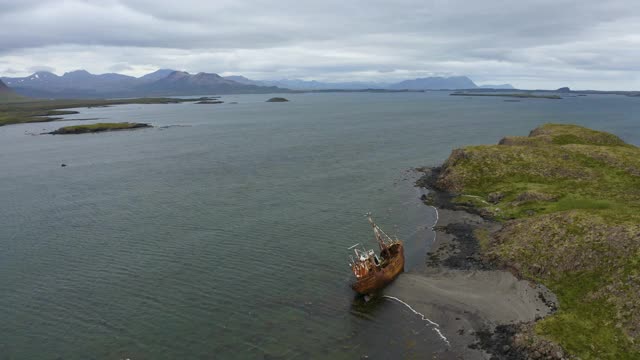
point(156, 75)
point(6, 94)
point(4, 88)
point(243, 80)
point(430, 83)
point(183, 83)
point(79, 79)
point(435, 83)
point(501, 86)
point(71, 84)
point(298, 84)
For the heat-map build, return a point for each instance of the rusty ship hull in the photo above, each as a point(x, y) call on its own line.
point(379, 277)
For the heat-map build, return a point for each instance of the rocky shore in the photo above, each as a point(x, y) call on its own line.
point(559, 208)
point(504, 328)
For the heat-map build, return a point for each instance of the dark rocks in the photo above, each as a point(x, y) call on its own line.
point(428, 199)
point(464, 253)
point(495, 197)
point(517, 342)
point(428, 180)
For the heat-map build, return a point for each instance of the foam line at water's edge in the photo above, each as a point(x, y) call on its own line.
point(435, 223)
point(436, 327)
point(437, 217)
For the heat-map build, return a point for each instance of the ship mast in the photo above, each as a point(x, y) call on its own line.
point(381, 237)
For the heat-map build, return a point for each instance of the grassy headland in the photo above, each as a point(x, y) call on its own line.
point(569, 201)
point(28, 111)
point(99, 127)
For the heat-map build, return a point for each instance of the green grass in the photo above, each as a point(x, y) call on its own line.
point(484, 238)
point(585, 328)
point(570, 208)
point(31, 110)
point(571, 202)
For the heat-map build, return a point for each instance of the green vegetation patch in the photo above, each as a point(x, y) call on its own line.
point(569, 200)
point(562, 134)
point(277, 99)
point(99, 127)
point(586, 327)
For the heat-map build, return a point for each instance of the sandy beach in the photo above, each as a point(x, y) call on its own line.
point(460, 296)
point(464, 302)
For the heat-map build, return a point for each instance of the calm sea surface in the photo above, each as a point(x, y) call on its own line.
point(225, 234)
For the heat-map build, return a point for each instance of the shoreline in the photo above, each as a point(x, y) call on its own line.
point(39, 111)
point(483, 311)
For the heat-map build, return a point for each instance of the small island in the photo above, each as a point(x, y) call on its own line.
point(100, 127)
point(511, 95)
point(277, 99)
point(210, 102)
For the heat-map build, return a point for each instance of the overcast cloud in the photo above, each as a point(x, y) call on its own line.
point(530, 44)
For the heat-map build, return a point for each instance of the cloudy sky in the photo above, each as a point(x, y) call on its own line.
point(530, 44)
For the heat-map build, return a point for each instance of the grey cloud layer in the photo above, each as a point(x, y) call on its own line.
point(530, 43)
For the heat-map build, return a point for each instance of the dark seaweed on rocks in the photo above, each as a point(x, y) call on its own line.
point(517, 342)
point(467, 254)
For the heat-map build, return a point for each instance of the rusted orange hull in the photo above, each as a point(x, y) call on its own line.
point(379, 278)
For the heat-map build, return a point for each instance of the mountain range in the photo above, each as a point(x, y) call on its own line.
point(164, 82)
point(428, 83)
point(167, 82)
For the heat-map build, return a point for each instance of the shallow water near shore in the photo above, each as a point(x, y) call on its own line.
point(227, 235)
